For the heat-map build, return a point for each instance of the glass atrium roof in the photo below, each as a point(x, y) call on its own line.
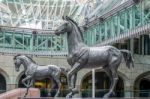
point(47, 14)
point(105, 6)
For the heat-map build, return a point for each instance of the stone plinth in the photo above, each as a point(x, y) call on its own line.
point(14, 94)
point(86, 98)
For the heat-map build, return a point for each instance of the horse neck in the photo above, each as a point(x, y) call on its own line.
point(75, 40)
point(26, 63)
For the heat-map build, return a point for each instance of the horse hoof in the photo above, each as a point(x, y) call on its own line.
point(75, 91)
point(113, 94)
point(105, 97)
point(109, 95)
point(24, 96)
point(49, 94)
point(69, 96)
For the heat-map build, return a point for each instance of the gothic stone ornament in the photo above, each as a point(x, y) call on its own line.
point(35, 72)
point(81, 56)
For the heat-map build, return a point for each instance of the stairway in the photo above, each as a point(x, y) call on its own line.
point(19, 92)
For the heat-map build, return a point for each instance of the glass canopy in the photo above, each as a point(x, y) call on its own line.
point(47, 14)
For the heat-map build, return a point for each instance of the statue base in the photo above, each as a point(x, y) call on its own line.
point(83, 98)
point(19, 92)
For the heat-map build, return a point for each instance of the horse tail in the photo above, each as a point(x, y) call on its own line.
point(64, 70)
point(128, 58)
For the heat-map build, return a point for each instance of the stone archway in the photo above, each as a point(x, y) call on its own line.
point(2, 84)
point(4, 81)
point(18, 79)
point(102, 85)
point(142, 85)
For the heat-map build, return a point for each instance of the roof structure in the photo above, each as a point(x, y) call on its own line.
point(104, 6)
point(47, 14)
point(37, 14)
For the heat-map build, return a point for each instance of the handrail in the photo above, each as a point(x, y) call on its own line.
point(26, 30)
point(37, 53)
point(96, 19)
point(129, 34)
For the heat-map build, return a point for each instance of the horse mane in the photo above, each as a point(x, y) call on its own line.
point(24, 55)
point(16, 56)
point(30, 59)
point(77, 27)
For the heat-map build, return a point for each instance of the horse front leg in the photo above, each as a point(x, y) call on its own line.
point(73, 81)
point(27, 90)
point(27, 85)
point(70, 74)
point(30, 83)
point(74, 78)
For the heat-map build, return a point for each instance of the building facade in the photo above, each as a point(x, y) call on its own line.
point(125, 26)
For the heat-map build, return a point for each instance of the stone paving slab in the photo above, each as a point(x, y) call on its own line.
point(19, 92)
point(85, 98)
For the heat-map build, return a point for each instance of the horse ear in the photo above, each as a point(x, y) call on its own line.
point(16, 56)
point(63, 18)
point(67, 18)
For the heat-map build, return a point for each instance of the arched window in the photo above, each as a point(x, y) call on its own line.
point(102, 84)
point(2, 84)
point(142, 85)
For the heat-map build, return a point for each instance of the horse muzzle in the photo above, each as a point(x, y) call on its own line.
point(17, 70)
point(57, 33)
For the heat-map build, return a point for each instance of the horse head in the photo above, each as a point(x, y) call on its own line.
point(22, 59)
point(17, 62)
point(66, 27)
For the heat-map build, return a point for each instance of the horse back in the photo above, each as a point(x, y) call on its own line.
point(97, 56)
point(101, 56)
point(47, 70)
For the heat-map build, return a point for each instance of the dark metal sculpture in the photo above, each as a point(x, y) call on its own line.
point(81, 56)
point(35, 72)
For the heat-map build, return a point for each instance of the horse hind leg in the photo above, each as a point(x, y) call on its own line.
point(114, 79)
point(59, 85)
point(109, 74)
point(52, 88)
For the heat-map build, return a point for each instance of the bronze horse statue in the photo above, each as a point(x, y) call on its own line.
point(81, 56)
point(35, 72)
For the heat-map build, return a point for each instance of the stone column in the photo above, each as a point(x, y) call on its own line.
point(93, 83)
point(132, 45)
point(129, 89)
point(10, 86)
point(80, 77)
